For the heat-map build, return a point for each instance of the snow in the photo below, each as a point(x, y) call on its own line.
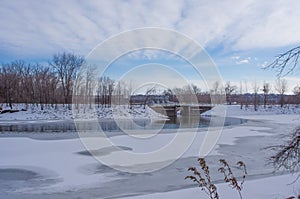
point(57, 156)
point(64, 167)
point(235, 110)
point(61, 112)
point(270, 187)
point(228, 137)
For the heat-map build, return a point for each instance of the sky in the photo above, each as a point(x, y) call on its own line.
point(241, 37)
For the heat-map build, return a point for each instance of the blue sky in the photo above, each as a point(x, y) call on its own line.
point(240, 36)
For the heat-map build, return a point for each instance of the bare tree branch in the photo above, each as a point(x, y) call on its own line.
point(288, 155)
point(286, 63)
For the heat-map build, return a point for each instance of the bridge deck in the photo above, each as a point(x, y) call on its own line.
point(186, 110)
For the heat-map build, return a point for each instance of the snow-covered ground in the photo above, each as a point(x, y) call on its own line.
point(60, 112)
point(271, 110)
point(63, 168)
point(276, 187)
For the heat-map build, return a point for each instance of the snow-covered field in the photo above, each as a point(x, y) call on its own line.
point(62, 168)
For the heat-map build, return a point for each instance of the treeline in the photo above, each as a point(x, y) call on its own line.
point(51, 83)
point(68, 75)
point(65, 76)
point(264, 94)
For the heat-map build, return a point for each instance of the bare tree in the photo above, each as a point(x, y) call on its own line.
point(128, 91)
point(229, 89)
point(148, 92)
point(281, 88)
point(255, 91)
point(79, 88)
point(196, 89)
point(217, 92)
point(27, 85)
point(121, 93)
point(105, 87)
point(37, 83)
point(111, 85)
point(99, 91)
point(266, 90)
point(89, 84)
point(10, 84)
point(186, 94)
point(52, 87)
point(288, 155)
point(66, 66)
point(241, 96)
point(216, 88)
point(246, 91)
point(40, 76)
point(17, 68)
point(117, 95)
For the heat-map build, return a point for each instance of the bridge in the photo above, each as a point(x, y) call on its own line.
point(185, 110)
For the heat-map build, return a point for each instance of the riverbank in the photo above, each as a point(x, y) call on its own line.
point(61, 112)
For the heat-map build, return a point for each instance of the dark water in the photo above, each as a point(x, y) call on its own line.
point(110, 125)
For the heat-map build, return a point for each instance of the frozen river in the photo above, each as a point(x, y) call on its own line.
point(55, 164)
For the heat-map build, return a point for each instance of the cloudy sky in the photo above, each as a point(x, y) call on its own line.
point(241, 36)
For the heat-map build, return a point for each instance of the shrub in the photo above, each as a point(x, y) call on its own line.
point(203, 178)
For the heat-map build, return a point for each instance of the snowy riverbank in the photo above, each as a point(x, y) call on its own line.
point(60, 112)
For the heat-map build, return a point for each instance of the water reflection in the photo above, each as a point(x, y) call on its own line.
point(109, 125)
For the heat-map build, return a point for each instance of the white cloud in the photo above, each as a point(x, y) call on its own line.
point(243, 61)
point(270, 24)
point(239, 60)
point(143, 54)
point(37, 28)
point(235, 57)
point(264, 64)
